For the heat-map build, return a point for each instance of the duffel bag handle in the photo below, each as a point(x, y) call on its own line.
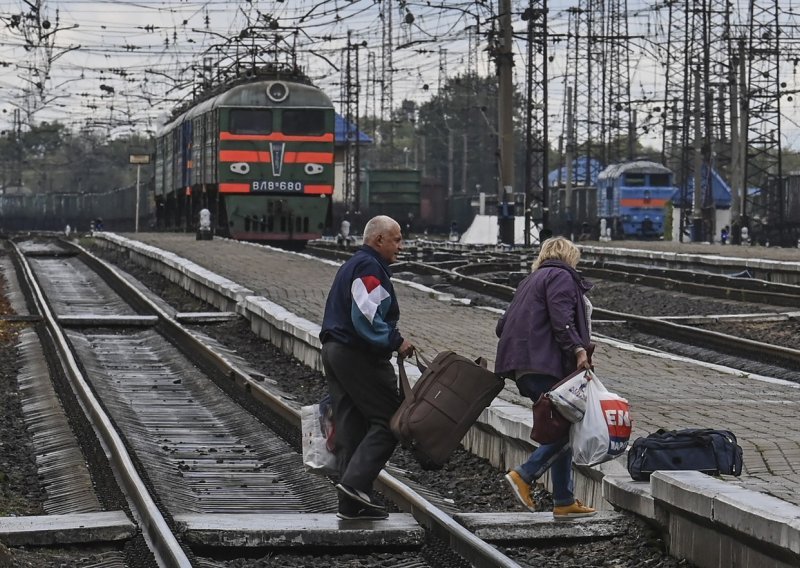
point(401, 370)
point(422, 364)
point(425, 361)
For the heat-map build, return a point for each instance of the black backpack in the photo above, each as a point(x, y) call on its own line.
point(713, 452)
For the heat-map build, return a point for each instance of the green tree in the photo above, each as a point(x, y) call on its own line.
point(466, 106)
point(51, 158)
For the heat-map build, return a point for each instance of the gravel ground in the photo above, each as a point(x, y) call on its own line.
point(466, 483)
point(20, 490)
point(653, 302)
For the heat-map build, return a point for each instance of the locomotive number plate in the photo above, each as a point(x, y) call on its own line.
point(282, 186)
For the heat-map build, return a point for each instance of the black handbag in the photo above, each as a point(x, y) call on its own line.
point(709, 451)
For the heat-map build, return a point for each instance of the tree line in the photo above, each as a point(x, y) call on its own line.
point(50, 157)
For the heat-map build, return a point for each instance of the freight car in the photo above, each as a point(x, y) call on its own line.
point(54, 211)
point(631, 197)
point(258, 153)
point(773, 213)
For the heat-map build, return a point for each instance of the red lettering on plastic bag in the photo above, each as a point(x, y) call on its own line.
point(618, 418)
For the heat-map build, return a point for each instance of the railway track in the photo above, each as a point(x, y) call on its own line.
point(450, 483)
point(200, 471)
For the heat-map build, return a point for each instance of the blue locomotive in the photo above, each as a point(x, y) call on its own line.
point(632, 196)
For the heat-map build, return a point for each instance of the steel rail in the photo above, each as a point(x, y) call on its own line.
point(702, 337)
point(699, 284)
point(163, 543)
point(187, 342)
point(478, 552)
point(461, 540)
point(688, 282)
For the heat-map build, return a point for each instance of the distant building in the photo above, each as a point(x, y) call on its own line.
point(343, 129)
point(717, 196)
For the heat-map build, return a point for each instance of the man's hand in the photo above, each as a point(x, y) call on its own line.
point(406, 349)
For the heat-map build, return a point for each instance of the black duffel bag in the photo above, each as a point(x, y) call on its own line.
point(713, 452)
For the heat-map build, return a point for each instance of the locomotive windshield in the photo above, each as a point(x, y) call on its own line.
point(304, 122)
point(634, 180)
point(659, 180)
point(250, 121)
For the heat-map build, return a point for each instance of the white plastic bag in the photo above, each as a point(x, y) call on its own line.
point(318, 431)
point(604, 432)
point(569, 397)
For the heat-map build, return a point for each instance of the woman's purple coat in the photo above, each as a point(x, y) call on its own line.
point(545, 323)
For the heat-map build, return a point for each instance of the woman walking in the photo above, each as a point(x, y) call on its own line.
point(544, 336)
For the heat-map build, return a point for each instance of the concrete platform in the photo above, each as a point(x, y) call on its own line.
point(665, 391)
point(496, 527)
point(299, 530)
point(715, 522)
point(77, 528)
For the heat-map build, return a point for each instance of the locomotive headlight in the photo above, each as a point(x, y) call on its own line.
point(277, 92)
point(242, 168)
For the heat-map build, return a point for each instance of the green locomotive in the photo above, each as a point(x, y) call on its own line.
point(258, 154)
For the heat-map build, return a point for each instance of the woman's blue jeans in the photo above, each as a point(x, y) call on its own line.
point(557, 456)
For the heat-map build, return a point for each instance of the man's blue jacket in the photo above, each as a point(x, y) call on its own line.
point(362, 310)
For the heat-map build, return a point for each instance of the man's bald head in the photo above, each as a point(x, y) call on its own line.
point(383, 235)
point(380, 225)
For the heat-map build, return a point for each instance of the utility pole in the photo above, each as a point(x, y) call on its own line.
point(616, 84)
point(464, 162)
point(537, 144)
point(570, 156)
point(17, 177)
point(764, 165)
point(587, 57)
point(505, 62)
point(736, 165)
point(740, 220)
point(351, 88)
point(529, 134)
point(387, 92)
point(697, 202)
point(450, 164)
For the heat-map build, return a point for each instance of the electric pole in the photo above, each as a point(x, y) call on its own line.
point(537, 144)
point(505, 62)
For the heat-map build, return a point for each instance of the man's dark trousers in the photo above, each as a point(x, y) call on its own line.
point(364, 391)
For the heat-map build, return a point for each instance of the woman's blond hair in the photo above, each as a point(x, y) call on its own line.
point(558, 248)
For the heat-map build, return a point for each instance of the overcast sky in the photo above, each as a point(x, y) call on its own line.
point(123, 66)
point(145, 50)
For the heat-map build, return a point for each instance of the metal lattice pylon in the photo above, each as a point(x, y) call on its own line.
point(763, 167)
point(350, 97)
point(585, 61)
point(536, 162)
point(616, 84)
